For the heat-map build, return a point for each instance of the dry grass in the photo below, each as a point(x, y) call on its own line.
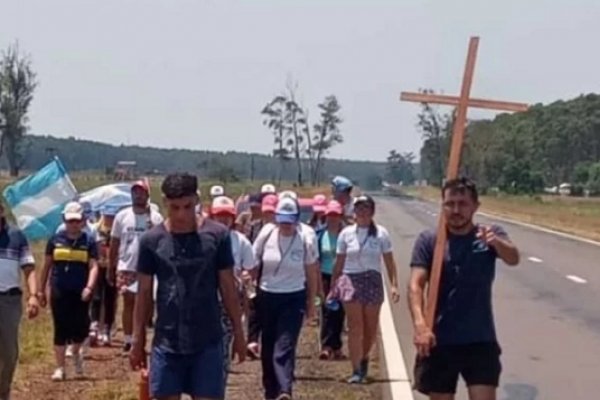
point(577, 216)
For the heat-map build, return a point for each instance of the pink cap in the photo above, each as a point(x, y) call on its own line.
point(319, 203)
point(269, 203)
point(222, 205)
point(142, 183)
point(334, 208)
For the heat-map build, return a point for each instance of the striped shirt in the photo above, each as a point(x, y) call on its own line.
point(14, 255)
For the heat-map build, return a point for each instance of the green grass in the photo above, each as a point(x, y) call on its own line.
point(578, 216)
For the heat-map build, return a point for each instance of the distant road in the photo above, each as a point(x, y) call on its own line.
point(547, 309)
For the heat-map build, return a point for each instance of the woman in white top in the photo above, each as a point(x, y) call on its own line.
point(223, 210)
point(360, 249)
point(287, 290)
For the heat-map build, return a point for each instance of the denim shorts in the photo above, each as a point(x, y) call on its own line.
point(197, 375)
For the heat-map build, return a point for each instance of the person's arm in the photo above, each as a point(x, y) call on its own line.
point(146, 269)
point(27, 263)
point(416, 295)
point(340, 258)
point(498, 239)
point(48, 264)
point(113, 249)
point(421, 260)
point(312, 274)
point(93, 270)
point(143, 308)
point(229, 296)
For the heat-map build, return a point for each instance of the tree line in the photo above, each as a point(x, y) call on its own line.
point(546, 146)
point(295, 138)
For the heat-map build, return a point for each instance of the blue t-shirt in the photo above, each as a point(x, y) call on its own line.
point(464, 312)
point(71, 260)
point(327, 251)
point(186, 267)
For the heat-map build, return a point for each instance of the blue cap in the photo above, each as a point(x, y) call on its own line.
point(341, 184)
point(287, 211)
point(110, 210)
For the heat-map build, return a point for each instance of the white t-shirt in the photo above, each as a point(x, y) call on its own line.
point(127, 228)
point(243, 255)
point(284, 259)
point(363, 252)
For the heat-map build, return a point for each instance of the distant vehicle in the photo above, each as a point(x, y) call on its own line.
point(565, 189)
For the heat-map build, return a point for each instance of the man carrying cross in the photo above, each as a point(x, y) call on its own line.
point(463, 339)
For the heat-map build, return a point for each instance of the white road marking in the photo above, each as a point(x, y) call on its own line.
point(576, 279)
point(534, 259)
point(400, 386)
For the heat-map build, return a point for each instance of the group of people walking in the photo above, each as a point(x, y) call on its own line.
point(227, 284)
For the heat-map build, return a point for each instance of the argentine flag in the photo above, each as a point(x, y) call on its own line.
point(38, 200)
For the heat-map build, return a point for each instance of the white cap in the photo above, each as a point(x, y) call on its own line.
point(222, 204)
point(216, 191)
point(73, 210)
point(288, 193)
point(287, 211)
point(268, 188)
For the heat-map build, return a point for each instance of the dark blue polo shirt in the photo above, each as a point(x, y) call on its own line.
point(186, 267)
point(464, 312)
point(71, 260)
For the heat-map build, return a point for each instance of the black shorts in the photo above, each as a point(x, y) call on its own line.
point(477, 363)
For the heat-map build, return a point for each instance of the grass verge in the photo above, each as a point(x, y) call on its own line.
point(577, 216)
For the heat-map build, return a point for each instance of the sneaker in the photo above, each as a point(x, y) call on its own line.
point(78, 360)
point(126, 349)
point(284, 396)
point(253, 351)
point(356, 377)
point(105, 340)
point(69, 352)
point(59, 375)
point(326, 354)
point(364, 367)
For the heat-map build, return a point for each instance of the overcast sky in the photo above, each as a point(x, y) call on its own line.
point(196, 73)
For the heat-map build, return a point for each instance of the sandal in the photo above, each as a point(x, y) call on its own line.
point(326, 354)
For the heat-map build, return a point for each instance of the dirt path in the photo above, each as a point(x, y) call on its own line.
point(108, 376)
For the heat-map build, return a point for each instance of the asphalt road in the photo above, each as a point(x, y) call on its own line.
point(547, 309)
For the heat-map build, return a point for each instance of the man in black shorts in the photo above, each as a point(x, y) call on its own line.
point(463, 341)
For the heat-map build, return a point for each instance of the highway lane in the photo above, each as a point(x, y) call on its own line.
point(547, 309)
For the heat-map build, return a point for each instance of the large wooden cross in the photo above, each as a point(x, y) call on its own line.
point(462, 103)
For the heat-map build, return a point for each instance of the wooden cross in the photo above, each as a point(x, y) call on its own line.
point(462, 103)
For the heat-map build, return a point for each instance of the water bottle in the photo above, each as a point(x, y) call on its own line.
point(332, 304)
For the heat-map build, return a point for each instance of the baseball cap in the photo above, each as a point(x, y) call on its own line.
point(319, 203)
point(222, 205)
point(365, 199)
point(287, 211)
point(255, 199)
point(334, 208)
point(341, 184)
point(268, 188)
point(73, 210)
point(86, 206)
point(217, 190)
point(142, 183)
point(269, 203)
point(109, 210)
point(288, 194)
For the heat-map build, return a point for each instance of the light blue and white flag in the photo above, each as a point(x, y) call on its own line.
point(116, 195)
point(37, 200)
